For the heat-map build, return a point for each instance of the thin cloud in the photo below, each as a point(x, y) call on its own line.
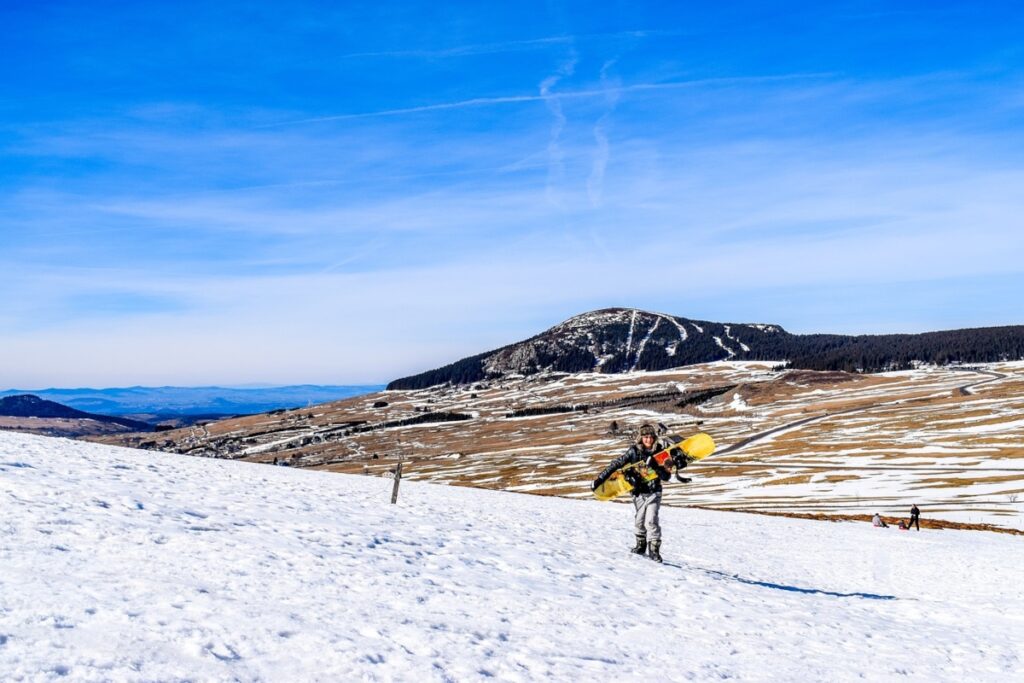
point(556, 164)
point(571, 94)
point(507, 45)
point(595, 183)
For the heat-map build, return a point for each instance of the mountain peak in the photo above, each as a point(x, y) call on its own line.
point(614, 340)
point(607, 340)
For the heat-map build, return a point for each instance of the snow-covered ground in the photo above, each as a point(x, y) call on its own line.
point(141, 566)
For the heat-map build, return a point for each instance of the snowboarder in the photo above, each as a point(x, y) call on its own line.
point(878, 521)
point(915, 517)
point(646, 494)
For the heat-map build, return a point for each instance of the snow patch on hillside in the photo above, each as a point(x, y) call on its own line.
point(737, 403)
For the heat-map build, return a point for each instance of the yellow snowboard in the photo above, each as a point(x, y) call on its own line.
point(696, 447)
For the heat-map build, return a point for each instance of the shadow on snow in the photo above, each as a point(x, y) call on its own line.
point(783, 587)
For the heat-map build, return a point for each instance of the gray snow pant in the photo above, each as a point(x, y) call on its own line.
point(645, 523)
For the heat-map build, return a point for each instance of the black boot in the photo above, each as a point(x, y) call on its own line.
point(641, 545)
point(655, 551)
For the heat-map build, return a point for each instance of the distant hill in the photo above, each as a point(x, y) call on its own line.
point(164, 403)
point(617, 340)
point(30, 406)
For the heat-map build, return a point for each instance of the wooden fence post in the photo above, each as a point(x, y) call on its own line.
point(398, 478)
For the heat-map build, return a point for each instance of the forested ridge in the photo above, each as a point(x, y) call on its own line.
point(609, 341)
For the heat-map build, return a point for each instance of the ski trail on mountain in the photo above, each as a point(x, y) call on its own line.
point(683, 334)
point(728, 335)
point(629, 337)
point(643, 343)
point(718, 340)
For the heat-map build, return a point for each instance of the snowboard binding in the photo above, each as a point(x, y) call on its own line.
point(680, 460)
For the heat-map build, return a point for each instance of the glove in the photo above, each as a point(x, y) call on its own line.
point(683, 480)
point(633, 477)
point(597, 482)
point(662, 472)
point(679, 459)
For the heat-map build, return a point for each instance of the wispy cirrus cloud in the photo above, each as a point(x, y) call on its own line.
point(602, 152)
point(561, 95)
point(510, 45)
point(556, 168)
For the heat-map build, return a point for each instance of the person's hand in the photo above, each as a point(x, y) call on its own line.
point(596, 483)
point(679, 459)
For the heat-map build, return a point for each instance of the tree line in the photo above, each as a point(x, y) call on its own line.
point(665, 350)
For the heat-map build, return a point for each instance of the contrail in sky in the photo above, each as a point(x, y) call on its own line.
point(572, 94)
point(556, 165)
point(595, 183)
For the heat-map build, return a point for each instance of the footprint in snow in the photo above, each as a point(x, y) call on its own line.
point(223, 652)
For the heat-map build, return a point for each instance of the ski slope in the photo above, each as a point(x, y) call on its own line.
point(138, 566)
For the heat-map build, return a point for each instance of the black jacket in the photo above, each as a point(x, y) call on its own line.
point(636, 453)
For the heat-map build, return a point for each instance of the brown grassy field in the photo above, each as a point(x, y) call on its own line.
point(872, 442)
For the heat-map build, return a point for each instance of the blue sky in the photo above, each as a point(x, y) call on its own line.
point(340, 193)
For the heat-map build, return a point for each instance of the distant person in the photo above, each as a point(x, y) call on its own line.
point(878, 521)
point(903, 525)
point(915, 517)
point(646, 493)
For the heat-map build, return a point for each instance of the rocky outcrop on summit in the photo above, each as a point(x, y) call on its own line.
point(614, 340)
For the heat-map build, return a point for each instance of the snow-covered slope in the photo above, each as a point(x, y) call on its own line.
point(133, 565)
